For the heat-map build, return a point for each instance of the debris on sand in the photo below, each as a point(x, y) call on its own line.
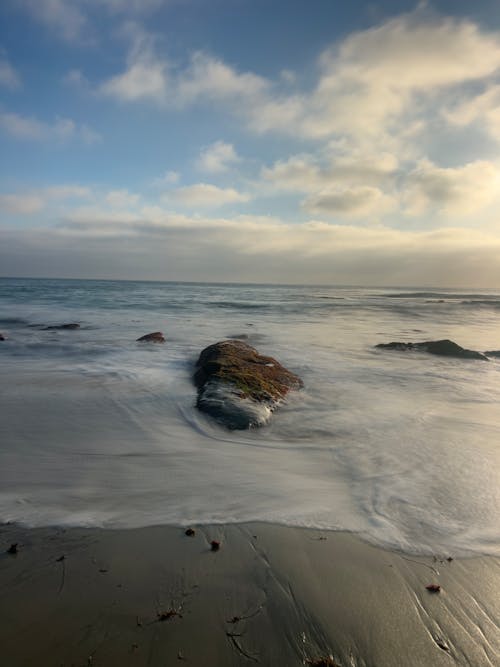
point(324, 661)
point(433, 588)
point(167, 615)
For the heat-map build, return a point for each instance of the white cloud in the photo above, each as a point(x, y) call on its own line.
point(143, 79)
point(211, 79)
point(74, 19)
point(457, 191)
point(64, 17)
point(67, 192)
point(122, 198)
point(23, 204)
point(370, 81)
point(150, 77)
point(205, 195)
point(30, 202)
point(145, 76)
point(483, 109)
point(30, 128)
point(217, 157)
point(22, 127)
point(8, 75)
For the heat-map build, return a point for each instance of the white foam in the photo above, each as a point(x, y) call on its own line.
point(98, 430)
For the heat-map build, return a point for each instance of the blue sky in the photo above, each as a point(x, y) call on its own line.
point(251, 140)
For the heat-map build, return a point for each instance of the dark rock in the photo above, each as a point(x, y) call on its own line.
point(434, 588)
point(71, 326)
point(493, 353)
point(443, 348)
point(215, 545)
point(2, 337)
point(155, 337)
point(190, 532)
point(13, 549)
point(239, 387)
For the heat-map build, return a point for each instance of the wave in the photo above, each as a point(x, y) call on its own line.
point(439, 295)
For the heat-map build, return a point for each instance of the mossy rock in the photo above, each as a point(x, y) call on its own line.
point(238, 386)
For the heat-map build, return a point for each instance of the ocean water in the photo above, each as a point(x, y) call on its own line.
point(400, 448)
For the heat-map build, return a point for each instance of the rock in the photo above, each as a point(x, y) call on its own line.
point(239, 387)
point(2, 337)
point(493, 353)
point(443, 348)
point(71, 326)
point(155, 337)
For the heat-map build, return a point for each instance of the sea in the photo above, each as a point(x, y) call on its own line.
point(400, 448)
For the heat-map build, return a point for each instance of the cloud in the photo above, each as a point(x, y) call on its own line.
point(122, 198)
point(74, 19)
point(131, 6)
point(457, 191)
point(30, 128)
point(205, 195)
point(150, 77)
point(21, 204)
point(483, 109)
point(8, 75)
point(168, 178)
point(350, 202)
point(145, 77)
point(66, 18)
point(378, 88)
point(28, 203)
point(310, 173)
point(371, 80)
point(157, 244)
point(208, 78)
point(67, 192)
point(217, 158)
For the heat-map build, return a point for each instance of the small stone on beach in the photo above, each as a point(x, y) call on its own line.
point(434, 588)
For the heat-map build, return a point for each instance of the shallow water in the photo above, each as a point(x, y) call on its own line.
point(401, 448)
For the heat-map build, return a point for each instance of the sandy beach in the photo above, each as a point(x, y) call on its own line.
point(270, 595)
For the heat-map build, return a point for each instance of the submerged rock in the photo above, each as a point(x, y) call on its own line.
point(155, 337)
point(443, 348)
point(239, 387)
point(70, 326)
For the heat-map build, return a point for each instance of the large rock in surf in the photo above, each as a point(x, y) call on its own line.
point(239, 387)
point(155, 337)
point(443, 348)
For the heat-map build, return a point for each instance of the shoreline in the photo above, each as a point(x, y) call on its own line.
point(270, 595)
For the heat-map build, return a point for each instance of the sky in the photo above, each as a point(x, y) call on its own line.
point(278, 141)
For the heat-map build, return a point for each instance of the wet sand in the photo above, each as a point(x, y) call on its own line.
point(271, 595)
